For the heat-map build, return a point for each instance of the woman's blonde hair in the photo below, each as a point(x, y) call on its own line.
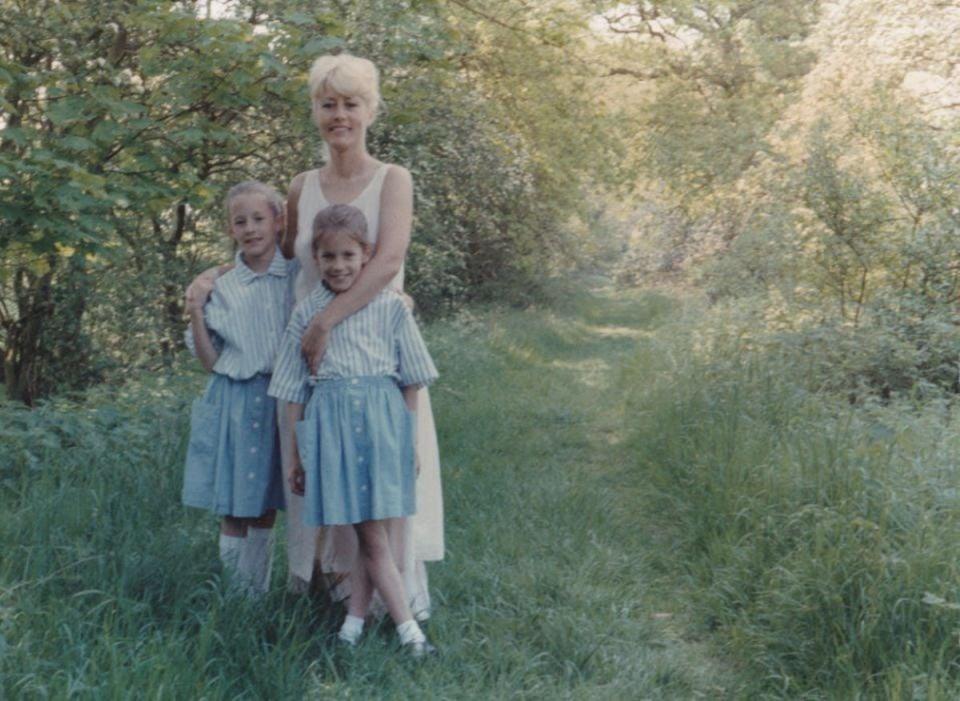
point(348, 75)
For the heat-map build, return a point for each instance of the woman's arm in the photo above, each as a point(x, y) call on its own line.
point(287, 246)
point(202, 284)
point(393, 238)
point(410, 396)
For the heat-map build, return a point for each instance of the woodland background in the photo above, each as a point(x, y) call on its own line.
point(765, 192)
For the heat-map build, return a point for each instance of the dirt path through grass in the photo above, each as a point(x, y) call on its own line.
point(549, 578)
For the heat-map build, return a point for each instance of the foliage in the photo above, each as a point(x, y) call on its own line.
point(126, 121)
point(717, 76)
point(120, 117)
point(856, 255)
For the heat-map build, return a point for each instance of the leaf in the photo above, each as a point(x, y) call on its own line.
point(321, 45)
point(77, 143)
point(67, 111)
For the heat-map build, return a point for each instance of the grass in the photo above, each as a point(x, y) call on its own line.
point(818, 541)
point(109, 588)
point(636, 508)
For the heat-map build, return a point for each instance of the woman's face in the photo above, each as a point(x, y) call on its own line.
point(341, 119)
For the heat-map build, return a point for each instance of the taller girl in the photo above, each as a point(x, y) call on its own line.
point(345, 97)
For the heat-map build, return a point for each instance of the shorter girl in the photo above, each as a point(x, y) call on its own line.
point(233, 459)
point(354, 457)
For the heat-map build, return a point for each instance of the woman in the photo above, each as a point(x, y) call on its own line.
point(344, 92)
point(345, 97)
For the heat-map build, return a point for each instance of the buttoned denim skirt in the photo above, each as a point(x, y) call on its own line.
point(233, 459)
point(356, 443)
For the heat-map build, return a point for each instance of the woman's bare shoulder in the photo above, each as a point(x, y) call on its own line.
point(395, 171)
point(397, 179)
point(297, 182)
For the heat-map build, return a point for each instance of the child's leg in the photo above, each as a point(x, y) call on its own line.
point(233, 532)
point(375, 548)
point(361, 591)
point(256, 555)
point(234, 527)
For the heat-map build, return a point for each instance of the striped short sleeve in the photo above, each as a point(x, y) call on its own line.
point(290, 373)
point(414, 364)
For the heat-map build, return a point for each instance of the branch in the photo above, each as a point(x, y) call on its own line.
point(505, 25)
point(641, 75)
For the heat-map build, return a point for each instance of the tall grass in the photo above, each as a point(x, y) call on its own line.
point(110, 589)
point(637, 507)
point(820, 540)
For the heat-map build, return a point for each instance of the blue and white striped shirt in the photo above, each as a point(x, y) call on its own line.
point(246, 315)
point(381, 339)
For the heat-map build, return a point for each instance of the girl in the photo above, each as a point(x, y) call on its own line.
point(233, 459)
point(354, 459)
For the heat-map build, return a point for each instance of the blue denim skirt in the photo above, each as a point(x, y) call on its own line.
point(233, 459)
point(356, 444)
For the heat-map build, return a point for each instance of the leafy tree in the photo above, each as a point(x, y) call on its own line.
point(125, 119)
point(719, 74)
point(121, 116)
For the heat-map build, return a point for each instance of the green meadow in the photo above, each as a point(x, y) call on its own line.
point(636, 508)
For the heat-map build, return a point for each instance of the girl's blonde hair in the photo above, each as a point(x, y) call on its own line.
point(339, 219)
point(255, 187)
point(348, 75)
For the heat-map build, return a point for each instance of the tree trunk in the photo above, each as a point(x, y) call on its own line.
point(21, 356)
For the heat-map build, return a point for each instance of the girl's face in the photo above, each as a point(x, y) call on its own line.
point(254, 226)
point(341, 119)
point(340, 259)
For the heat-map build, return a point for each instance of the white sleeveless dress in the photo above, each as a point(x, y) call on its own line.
point(415, 539)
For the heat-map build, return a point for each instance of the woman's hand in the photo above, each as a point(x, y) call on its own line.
point(198, 292)
point(314, 343)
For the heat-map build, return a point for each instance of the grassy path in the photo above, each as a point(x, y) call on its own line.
point(107, 585)
point(549, 571)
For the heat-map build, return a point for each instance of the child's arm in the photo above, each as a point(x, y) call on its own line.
point(414, 364)
point(203, 345)
point(289, 382)
point(410, 393)
point(295, 475)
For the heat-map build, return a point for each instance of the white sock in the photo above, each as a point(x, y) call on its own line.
point(256, 559)
point(410, 632)
point(351, 629)
point(230, 553)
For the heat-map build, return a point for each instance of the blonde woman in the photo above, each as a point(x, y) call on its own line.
point(345, 99)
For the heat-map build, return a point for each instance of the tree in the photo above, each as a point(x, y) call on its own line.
point(120, 117)
point(125, 119)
